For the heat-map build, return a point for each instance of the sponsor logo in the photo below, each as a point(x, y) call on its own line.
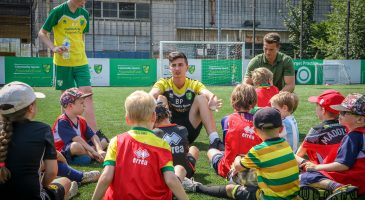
point(98, 68)
point(47, 68)
point(172, 138)
point(191, 69)
point(141, 154)
point(146, 68)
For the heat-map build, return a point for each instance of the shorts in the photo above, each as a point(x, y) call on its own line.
point(241, 192)
point(307, 178)
point(69, 77)
point(193, 133)
point(54, 191)
point(190, 166)
point(83, 159)
point(215, 161)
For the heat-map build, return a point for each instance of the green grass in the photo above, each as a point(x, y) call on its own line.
point(109, 105)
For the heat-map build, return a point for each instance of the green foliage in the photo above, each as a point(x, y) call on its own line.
point(330, 35)
point(109, 106)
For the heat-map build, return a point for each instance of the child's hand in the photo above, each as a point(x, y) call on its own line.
point(102, 153)
point(308, 166)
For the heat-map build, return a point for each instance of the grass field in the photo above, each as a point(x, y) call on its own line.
point(109, 105)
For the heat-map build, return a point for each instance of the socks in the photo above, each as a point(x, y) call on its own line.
point(216, 191)
point(333, 185)
point(67, 171)
point(213, 136)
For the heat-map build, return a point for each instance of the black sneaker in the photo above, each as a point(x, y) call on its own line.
point(217, 144)
point(101, 135)
point(309, 193)
point(346, 192)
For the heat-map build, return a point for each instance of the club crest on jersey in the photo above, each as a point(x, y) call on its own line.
point(82, 22)
point(189, 96)
point(141, 154)
point(172, 138)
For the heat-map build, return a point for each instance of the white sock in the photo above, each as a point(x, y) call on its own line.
point(213, 136)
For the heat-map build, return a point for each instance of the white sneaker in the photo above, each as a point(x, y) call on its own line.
point(189, 184)
point(90, 177)
point(74, 189)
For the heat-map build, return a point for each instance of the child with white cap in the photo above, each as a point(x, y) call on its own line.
point(30, 142)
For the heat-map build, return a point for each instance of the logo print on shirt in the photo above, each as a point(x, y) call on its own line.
point(141, 153)
point(249, 130)
point(189, 95)
point(172, 138)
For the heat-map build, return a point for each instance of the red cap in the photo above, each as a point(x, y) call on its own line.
point(327, 99)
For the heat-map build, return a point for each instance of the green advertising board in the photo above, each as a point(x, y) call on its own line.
point(132, 72)
point(307, 73)
point(33, 71)
point(221, 72)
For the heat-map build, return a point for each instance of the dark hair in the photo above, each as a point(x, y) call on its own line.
point(176, 55)
point(162, 112)
point(271, 38)
point(6, 131)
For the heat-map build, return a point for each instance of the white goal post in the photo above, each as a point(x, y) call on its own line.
point(197, 51)
point(331, 73)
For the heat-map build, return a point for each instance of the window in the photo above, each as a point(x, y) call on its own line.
point(126, 10)
point(97, 8)
point(110, 9)
point(142, 11)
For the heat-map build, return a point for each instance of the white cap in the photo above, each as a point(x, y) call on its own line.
point(16, 95)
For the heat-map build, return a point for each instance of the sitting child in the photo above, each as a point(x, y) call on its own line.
point(262, 80)
point(345, 168)
point(184, 157)
point(287, 103)
point(274, 161)
point(240, 135)
point(326, 136)
point(28, 165)
point(73, 137)
point(138, 164)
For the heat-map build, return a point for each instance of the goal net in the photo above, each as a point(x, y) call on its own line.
point(335, 73)
point(213, 63)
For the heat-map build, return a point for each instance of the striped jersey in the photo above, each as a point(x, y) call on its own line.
point(66, 24)
point(139, 158)
point(276, 168)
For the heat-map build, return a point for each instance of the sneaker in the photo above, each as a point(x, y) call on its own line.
point(101, 135)
point(90, 177)
point(74, 189)
point(217, 144)
point(189, 184)
point(346, 192)
point(309, 193)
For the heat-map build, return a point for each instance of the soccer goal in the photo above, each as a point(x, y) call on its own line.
point(213, 63)
point(334, 73)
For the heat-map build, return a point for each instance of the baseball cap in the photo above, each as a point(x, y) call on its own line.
point(71, 95)
point(267, 118)
point(17, 95)
point(354, 103)
point(327, 99)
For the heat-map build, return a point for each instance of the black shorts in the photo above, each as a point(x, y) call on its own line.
point(54, 191)
point(245, 193)
point(193, 133)
point(190, 166)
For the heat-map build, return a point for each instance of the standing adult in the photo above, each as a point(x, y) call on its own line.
point(190, 102)
point(278, 63)
point(69, 21)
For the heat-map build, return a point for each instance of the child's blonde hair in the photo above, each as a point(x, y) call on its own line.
point(243, 97)
point(261, 75)
point(139, 106)
point(288, 99)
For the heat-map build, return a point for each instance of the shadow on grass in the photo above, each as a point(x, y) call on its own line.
point(201, 146)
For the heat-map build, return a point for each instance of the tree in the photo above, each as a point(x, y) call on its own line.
point(333, 42)
point(293, 22)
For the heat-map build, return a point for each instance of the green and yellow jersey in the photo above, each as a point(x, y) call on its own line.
point(180, 100)
point(66, 24)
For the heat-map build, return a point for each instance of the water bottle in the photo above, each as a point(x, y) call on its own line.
point(66, 43)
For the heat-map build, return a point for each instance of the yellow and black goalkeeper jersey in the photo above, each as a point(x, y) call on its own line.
point(180, 100)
